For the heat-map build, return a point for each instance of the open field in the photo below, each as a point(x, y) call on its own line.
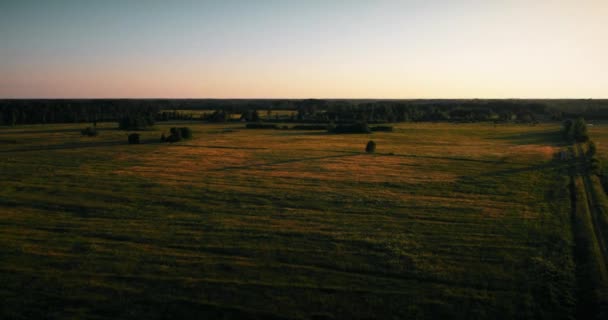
point(444, 220)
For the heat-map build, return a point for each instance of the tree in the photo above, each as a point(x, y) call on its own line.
point(592, 150)
point(575, 130)
point(579, 130)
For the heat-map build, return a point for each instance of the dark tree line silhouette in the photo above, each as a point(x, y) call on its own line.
point(14, 112)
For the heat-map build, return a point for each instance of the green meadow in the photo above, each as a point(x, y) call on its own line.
point(466, 221)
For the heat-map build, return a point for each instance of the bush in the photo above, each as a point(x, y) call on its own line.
point(371, 147)
point(177, 134)
point(382, 128)
point(89, 131)
point(173, 138)
point(185, 132)
point(261, 126)
point(134, 138)
point(360, 127)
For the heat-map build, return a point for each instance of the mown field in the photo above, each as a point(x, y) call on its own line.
point(443, 221)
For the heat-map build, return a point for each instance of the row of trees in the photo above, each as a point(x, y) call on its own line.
point(575, 131)
point(14, 112)
point(378, 111)
point(309, 110)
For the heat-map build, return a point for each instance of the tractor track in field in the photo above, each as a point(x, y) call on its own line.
point(593, 210)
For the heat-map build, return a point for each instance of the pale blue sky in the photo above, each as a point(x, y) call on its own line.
point(301, 49)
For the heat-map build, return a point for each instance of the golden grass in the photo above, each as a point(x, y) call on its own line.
point(279, 220)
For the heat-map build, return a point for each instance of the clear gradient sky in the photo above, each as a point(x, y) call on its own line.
point(304, 49)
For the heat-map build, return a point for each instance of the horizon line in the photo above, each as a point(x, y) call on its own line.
point(257, 98)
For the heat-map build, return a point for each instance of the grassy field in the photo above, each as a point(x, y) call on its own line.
point(444, 220)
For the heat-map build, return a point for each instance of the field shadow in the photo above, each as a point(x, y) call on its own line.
point(549, 165)
point(443, 158)
point(76, 130)
point(220, 147)
point(251, 166)
point(553, 138)
point(305, 133)
point(82, 145)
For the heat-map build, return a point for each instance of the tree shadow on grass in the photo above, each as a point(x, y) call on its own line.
point(450, 158)
point(251, 166)
point(344, 154)
point(554, 164)
point(71, 130)
point(552, 138)
point(79, 145)
point(294, 132)
point(219, 147)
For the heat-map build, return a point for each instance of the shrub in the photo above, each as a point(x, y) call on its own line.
point(134, 138)
point(359, 127)
point(173, 138)
point(261, 126)
point(89, 131)
point(370, 147)
point(382, 128)
point(185, 132)
point(177, 134)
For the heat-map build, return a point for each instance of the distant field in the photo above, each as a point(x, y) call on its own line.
point(445, 220)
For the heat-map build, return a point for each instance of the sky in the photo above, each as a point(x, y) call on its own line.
point(304, 49)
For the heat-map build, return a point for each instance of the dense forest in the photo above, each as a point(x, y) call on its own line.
point(15, 112)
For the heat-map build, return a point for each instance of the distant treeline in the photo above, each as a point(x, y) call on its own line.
point(308, 110)
point(13, 112)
